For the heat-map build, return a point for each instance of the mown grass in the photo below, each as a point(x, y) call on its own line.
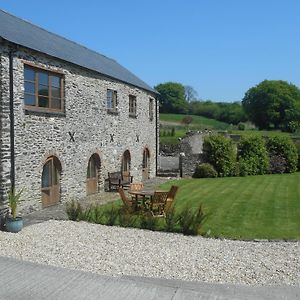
point(256, 207)
point(198, 122)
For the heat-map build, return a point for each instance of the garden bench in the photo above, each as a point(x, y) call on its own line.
point(117, 179)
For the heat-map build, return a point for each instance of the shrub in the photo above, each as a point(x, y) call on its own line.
point(171, 220)
point(127, 219)
point(191, 221)
point(219, 152)
point(148, 222)
point(283, 146)
point(94, 214)
point(173, 131)
point(277, 163)
point(241, 126)
point(297, 144)
point(74, 210)
point(253, 156)
point(111, 215)
point(205, 170)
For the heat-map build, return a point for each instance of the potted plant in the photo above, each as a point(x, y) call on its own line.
point(13, 223)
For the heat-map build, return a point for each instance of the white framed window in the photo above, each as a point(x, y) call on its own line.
point(111, 100)
point(132, 106)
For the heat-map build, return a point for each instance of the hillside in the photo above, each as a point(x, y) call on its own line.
point(171, 127)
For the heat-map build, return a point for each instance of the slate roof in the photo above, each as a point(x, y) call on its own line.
point(23, 33)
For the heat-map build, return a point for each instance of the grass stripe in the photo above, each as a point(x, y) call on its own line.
point(266, 206)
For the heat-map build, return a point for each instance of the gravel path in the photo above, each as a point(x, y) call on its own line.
point(120, 251)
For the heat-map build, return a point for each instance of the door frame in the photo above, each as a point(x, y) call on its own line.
point(146, 164)
point(92, 183)
point(51, 193)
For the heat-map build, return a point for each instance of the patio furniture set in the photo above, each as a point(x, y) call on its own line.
point(149, 201)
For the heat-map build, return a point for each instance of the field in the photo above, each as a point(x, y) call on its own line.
point(169, 121)
point(254, 207)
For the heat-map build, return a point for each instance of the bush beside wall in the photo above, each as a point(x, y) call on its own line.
point(219, 151)
point(253, 156)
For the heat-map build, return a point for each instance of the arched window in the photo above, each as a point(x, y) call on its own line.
point(51, 182)
point(93, 171)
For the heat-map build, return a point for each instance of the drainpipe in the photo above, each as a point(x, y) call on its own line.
point(156, 137)
point(12, 120)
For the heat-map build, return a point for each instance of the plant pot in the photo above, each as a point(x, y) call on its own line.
point(14, 225)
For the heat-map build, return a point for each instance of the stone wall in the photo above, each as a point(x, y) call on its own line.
point(191, 148)
point(40, 135)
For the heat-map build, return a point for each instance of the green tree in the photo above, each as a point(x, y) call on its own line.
point(273, 104)
point(172, 98)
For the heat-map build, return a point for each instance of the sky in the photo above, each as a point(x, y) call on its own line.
point(219, 47)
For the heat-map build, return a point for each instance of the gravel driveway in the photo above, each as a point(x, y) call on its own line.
point(121, 251)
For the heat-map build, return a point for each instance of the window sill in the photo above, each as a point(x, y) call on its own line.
point(112, 111)
point(43, 112)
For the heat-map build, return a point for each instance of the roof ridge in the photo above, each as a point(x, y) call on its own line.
point(27, 34)
point(56, 34)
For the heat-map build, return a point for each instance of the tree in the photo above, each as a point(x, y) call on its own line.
point(273, 104)
point(190, 93)
point(187, 120)
point(172, 98)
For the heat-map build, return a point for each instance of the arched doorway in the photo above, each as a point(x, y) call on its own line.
point(125, 167)
point(92, 177)
point(146, 164)
point(51, 182)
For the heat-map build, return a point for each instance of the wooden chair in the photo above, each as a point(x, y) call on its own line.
point(139, 200)
point(158, 203)
point(128, 204)
point(171, 197)
point(136, 186)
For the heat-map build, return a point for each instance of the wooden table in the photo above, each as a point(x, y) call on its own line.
point(144, 193)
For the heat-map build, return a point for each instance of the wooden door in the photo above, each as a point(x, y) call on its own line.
point(51, 182)
point(126, 162)
point(92, 175)
point(146, 164)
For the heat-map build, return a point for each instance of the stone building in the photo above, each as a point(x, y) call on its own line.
point(68, 117)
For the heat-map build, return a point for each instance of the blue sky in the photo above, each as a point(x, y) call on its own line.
point(219, 47)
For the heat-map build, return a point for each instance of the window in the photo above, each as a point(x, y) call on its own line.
point(43, 90)
point(132, 105)
point(112, 100)
point(151, 107)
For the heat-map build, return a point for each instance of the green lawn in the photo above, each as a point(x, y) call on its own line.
point(198, 122)
point(262, 207)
